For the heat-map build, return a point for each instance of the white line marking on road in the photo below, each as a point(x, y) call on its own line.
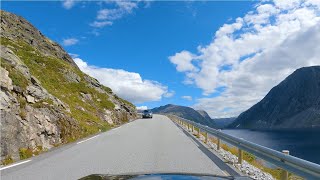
point(12, 165)
point(116, 128)
point(87, 139)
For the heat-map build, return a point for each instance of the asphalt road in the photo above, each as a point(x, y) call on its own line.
point(145, 145)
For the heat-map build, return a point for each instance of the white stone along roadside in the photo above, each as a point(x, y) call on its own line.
point(245, 167)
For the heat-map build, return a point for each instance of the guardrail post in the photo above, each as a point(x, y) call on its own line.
point(218, 142)
point(284, 173)
point(198, 135)
point(206, 137)
point(240, 156)
point(192, 128)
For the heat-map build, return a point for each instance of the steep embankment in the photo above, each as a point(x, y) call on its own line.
point(293, 104)
point(187, 113)
point(45, 99)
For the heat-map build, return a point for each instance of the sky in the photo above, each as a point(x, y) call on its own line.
point(219, 56)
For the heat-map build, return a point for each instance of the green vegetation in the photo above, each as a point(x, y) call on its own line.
point(23, 114)
point(107, 89)
point(25, 153)
point(38, 150)
point(7, 160)
point(16, 76)
point(22, 101)
point(50, 72)
point(43, 103)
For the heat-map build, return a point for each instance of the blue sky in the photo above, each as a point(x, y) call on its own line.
point(139, 38)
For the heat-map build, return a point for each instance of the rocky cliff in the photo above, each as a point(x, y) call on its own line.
point(186, 112)
point(293, 104)
point(45, 99)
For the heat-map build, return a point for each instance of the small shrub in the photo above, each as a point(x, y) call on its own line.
point(23, 114)
point(22, 101)
point(249, 157)
point(38, 150)
point(7, 160)
point(25, 153)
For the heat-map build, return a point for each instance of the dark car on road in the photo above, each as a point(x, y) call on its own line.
point(147, 114)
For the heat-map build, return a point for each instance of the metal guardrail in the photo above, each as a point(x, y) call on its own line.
point(300, 167)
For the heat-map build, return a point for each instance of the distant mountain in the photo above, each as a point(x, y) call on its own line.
point(187, 113)
point(204, 114)
point(224, 122)
point(293, 104)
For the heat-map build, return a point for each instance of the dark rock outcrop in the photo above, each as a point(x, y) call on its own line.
point(293, 104)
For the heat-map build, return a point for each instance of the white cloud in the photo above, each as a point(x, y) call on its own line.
point(100, 24)
point(110, 14)
point(70, 41)
point(142, 107)
point(253, 54)
point(169, 94)
point(188, 98)
point(128, 85)
point(183, 61)
point(106, 16)
point(68, 4)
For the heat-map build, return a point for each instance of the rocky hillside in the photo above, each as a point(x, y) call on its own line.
point(204, 114)
point(185, 112)
point(45, 99)
point(293, 104)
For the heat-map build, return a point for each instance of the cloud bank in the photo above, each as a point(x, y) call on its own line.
point(251, 55)
point(128, 85)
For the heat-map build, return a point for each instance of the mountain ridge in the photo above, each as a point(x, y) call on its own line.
point(186, 112)
point(293, 104)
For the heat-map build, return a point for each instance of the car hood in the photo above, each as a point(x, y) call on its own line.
point(165, 176)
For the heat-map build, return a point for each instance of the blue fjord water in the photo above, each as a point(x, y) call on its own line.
point(302, 144)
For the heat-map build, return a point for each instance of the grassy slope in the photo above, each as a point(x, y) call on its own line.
point(49, 71)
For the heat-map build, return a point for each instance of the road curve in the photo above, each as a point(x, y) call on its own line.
point(144, 145)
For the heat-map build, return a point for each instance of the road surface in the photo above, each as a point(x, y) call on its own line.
point(144, 145)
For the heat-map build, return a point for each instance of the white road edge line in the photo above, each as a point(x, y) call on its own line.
point(116, 128)
point(87, 139)
point(12, 165)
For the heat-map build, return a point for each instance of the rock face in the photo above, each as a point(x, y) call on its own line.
point(293, 104)
point(187, 113)
point(45, 99)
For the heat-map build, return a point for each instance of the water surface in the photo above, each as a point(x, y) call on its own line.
point(302, 144)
